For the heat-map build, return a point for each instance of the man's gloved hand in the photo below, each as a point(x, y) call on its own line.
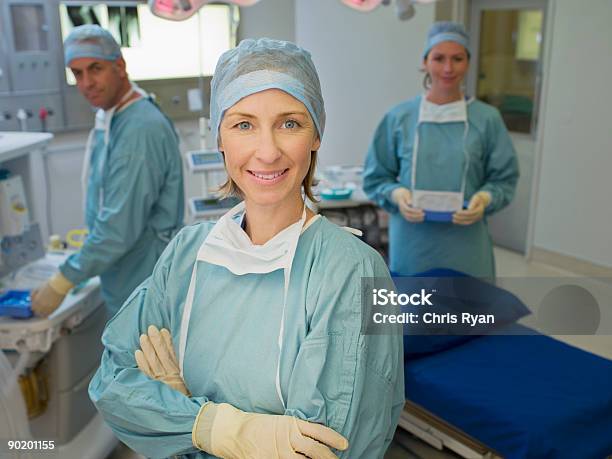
point(157, 359)
point(403, 198)
point(229, 433)
point(475, 210)
point(47, 298)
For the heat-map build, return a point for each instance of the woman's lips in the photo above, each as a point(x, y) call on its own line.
point(268, 177)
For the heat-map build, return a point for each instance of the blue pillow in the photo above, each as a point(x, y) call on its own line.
point(457, 292)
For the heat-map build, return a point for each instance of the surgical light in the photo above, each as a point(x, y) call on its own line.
point(405, 9)
point(363, 5)
point(179, 10)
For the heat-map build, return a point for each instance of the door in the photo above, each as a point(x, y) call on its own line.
point(506, 72)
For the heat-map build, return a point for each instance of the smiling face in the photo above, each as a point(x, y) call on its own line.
point(100, 81)
point(447, 63)
point(267, 139)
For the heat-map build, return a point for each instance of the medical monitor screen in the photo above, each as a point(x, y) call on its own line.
point(154, 48)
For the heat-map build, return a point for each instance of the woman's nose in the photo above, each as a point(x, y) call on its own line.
point(268, 150)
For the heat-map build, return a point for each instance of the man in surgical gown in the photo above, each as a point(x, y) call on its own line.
point(134, 194)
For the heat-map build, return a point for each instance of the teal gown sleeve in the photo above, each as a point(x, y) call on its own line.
point(132, 183)
point(501, 165)
point(148, 416)
point(380, 175)
point(346, 380)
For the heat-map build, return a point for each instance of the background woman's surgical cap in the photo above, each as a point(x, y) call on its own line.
point(447, 31)
point(256, 65)
point(90, 40)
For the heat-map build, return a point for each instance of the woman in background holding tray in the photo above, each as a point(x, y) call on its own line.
point(440, 163)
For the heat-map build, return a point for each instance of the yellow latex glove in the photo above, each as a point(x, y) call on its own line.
point(229, 433)
point(48, 298)
point(475, 210)
point(157, 359)
point(403, 198)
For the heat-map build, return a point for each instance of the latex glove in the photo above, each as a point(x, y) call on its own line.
point(227, 432)
point(475, 210)
point(403, 198)
point(48, 298)
point(157, 359)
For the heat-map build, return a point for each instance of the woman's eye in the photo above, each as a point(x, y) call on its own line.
point(290, 124)
point(244, 125)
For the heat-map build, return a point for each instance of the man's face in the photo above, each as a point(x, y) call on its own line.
point(100, 81)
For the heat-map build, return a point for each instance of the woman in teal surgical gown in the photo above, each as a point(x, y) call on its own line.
point(441, 156)
point(261, 353)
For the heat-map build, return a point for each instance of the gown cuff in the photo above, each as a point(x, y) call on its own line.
point(202, 427)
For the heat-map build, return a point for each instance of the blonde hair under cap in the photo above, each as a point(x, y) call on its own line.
point(255, 66)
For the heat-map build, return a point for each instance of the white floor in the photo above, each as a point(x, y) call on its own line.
point(509, 264)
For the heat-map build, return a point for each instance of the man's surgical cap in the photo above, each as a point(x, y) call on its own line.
point(90, 40)
point(256, 65)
